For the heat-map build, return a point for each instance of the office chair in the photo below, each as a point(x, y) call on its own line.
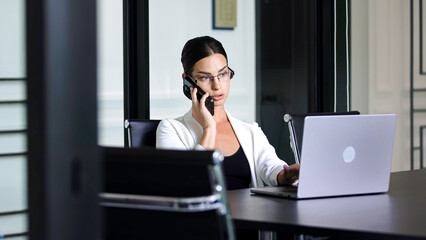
point(296, 123)
point(141, 132)
point(164, 194)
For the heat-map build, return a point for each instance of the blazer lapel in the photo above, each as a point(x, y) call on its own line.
point(194, 128)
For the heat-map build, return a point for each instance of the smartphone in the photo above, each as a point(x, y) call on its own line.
point(189, 82)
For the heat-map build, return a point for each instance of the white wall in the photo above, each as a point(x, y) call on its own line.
point(171, 24)
point(380, 66)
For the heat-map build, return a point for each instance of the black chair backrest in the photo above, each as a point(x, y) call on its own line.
point(145, 171)
point(296, 124)
point(164, 194)
point(141, 132)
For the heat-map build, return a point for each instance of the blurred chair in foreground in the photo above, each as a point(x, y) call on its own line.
point(164, 194)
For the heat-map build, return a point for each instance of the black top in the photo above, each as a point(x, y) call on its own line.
point(237, 170)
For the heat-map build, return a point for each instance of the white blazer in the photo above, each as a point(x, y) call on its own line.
point(184, 133)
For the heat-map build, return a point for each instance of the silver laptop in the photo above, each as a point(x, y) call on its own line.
point(342, 155)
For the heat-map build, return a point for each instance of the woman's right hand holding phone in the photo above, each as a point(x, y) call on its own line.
point(205, 119)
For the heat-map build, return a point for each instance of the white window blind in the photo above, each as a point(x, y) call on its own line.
point(13, 123)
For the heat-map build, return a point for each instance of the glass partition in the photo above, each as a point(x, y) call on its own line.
point(169, 29)
point(110, 72)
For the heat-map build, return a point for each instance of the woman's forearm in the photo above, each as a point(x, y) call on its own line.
point(208, 140)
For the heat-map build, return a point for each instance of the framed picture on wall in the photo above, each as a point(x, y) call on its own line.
point(224, 14)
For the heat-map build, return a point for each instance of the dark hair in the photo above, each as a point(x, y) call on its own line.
point(199, 48)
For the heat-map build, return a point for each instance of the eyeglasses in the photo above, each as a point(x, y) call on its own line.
point(222, 77)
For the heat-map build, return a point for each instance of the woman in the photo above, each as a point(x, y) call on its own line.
point(250, 161)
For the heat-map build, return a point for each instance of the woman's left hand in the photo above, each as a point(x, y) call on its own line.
point(289, 174)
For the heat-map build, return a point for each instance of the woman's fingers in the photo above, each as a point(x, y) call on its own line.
point(194, 96)
point(203, 100)
point(200, 112)
point(201, 104)
point(291, 173)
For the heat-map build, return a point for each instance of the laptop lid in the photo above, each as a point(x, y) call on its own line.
point(295, 124)
point(345, 155)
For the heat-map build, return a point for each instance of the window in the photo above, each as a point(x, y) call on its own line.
point(110, 73)
point(13, 136)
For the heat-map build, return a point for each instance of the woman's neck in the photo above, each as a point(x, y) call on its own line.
point(220, 114)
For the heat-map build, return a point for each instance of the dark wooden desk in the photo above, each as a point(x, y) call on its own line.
point(398, 214)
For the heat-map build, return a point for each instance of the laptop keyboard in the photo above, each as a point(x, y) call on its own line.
point(288, 189)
